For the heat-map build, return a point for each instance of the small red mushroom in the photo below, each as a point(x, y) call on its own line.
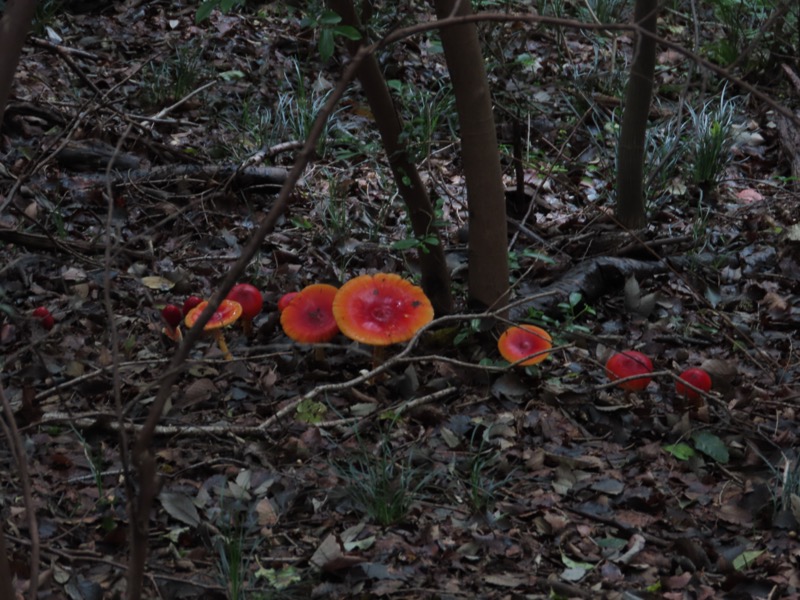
point(696, 377)
point(46, 320)
point(520, 341)
point(250, 298)
point(190, 303)
point(285, 300)
point(172, 316)
point(627, 364)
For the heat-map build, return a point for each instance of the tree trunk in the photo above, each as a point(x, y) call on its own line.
point(14, 26)
point(631, 151)
point(435, 274)
point(488, 232)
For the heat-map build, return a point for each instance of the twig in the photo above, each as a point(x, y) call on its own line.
point(15, 443)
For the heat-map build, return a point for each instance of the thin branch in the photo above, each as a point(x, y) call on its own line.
point(15, 442)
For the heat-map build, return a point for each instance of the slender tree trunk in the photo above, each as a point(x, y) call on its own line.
point(6, 585)
point(631, 152)
point(488, 232)
point(435, 274)
point(14, 26)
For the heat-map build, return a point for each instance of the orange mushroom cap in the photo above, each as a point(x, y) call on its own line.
point(520, 341)
point(308, 318)
point(381, 309)
point(227, 313)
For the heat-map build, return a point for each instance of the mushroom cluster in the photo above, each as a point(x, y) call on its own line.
point(377, 310)
point(244, 302)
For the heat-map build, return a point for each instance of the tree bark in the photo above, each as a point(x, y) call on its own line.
point(435, 274)
point(488, 232)
point(631, 151)
point(14, 26)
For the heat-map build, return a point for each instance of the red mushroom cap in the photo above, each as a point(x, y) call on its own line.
point(190, 303)
point(698, 378)
point(520, 341)
point(249, 297)
point(227, 312)
point(284, 301)
point(172, 315)
point(381, 309)
point(308, 318)
point(629, 363)
point(46, 320)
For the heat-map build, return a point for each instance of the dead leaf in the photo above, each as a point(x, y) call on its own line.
point(180, 507)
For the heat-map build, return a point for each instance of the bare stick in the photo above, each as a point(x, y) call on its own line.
point(15, 442)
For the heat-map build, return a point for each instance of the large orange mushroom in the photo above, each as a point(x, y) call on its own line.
point(227, 313)
point(380, 309)
point(308, 318)
point(519, 342)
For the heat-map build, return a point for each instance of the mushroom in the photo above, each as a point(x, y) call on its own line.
point(250, 298)
point(226, 314)
point(380, 309)
point(172, 316)
point(190, 303)
point(696, 377)
point(627, 364)
point(46, 320)
point(308, 318)
point(285, 300)
point(519, 342)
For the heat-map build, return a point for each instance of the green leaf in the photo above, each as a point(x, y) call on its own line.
point(329, 18)
point(406, 244)
point(326, 44)
point(711, 445)
point(680, 451)
point(351, 33)
point(232, 75)
point(204, 10)
point(745, 559)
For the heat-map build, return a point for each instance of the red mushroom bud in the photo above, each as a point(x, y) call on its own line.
point(285, 300)
point(190, 303)
point(627, 364)
point(46, 320)
point(172, 317)
point(696, 377)
point(250, 298)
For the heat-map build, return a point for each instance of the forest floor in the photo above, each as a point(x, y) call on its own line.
point(447, 477)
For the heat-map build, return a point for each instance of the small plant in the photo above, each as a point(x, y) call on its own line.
point(45, 15)
point(572, 310)
point(327, 26)
point(174, 78)
point(424, 112)
point(480, 472)
point(297, 109)
point(713, 138)
point(666, 147)
point(381, 484)
point(423, 243)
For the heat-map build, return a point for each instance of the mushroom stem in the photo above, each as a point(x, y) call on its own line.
point(226, 354)
point(247, 326)
point(174, 333)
